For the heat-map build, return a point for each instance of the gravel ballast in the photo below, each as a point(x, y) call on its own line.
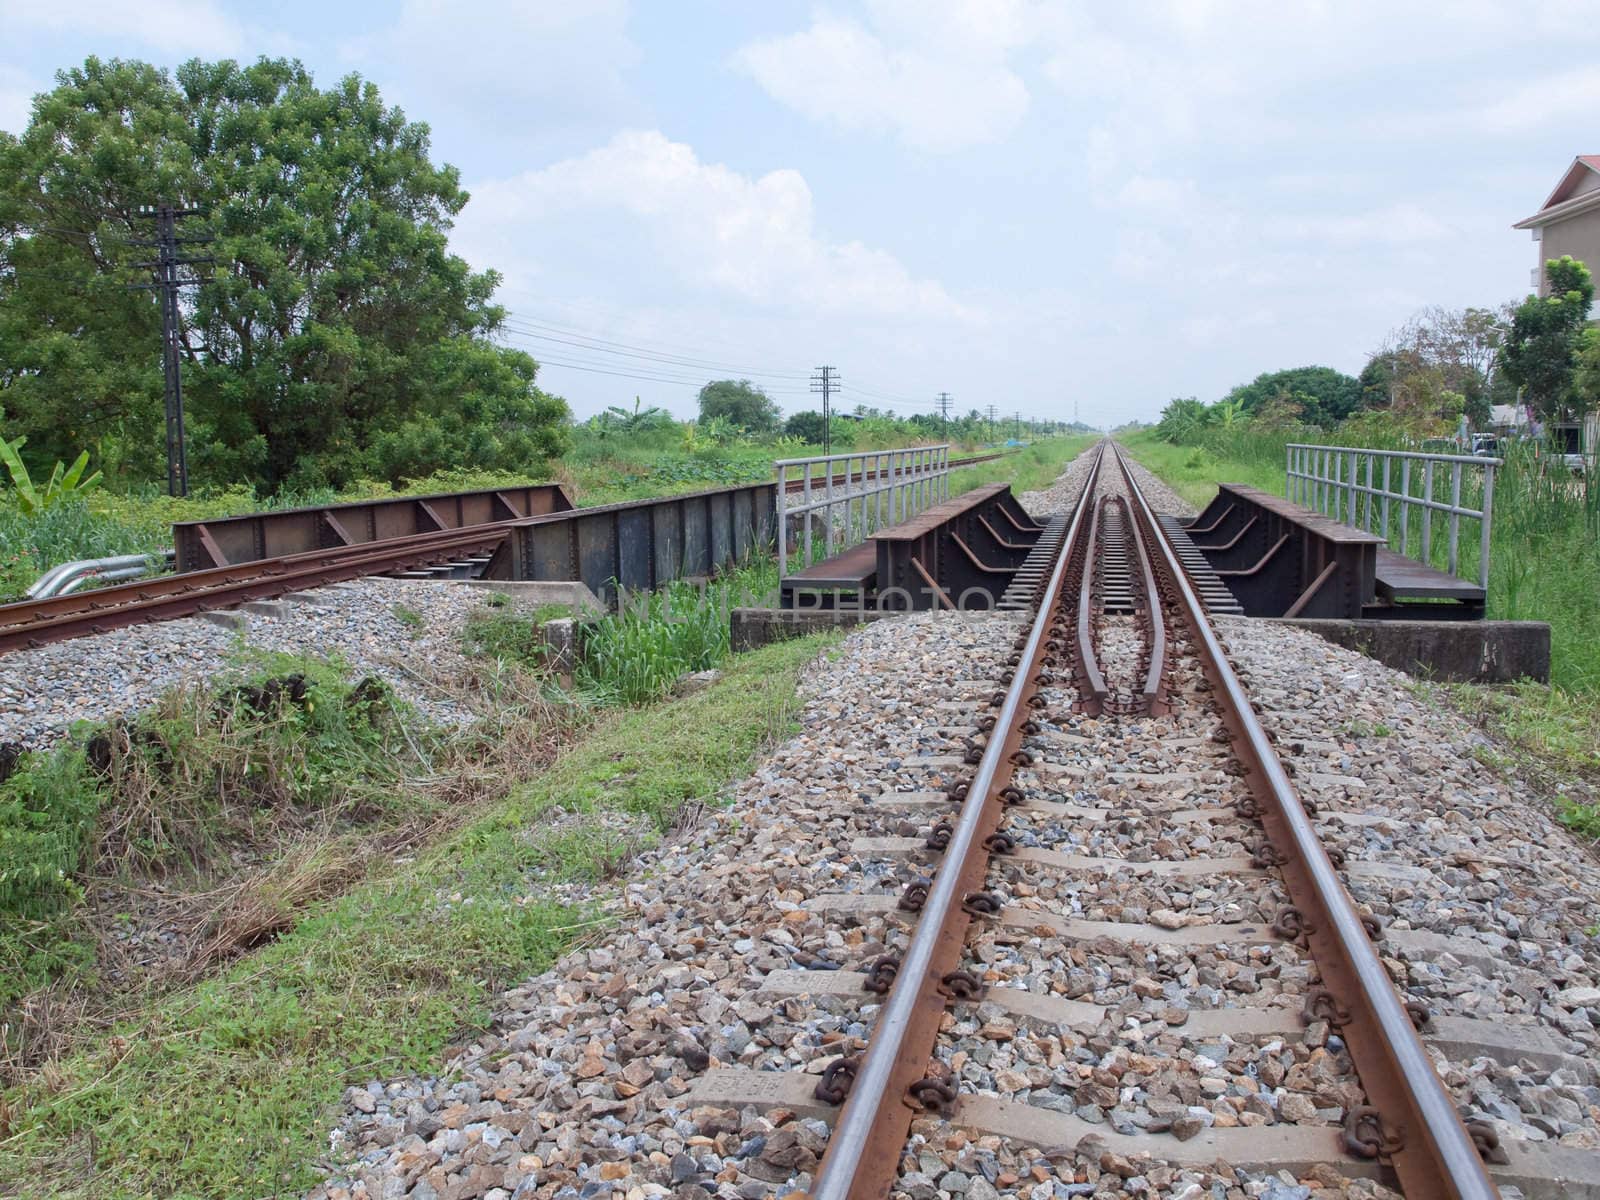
point(583, 1086)
point(43, 691)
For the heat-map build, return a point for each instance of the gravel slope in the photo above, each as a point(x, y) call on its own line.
point(43, 691)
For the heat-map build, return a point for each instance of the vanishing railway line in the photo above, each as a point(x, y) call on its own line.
point(1118, 632)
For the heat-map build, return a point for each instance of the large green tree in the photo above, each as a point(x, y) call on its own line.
point(741, 403)
point(336, 335)
point(1324, 395)
point(1541, 351)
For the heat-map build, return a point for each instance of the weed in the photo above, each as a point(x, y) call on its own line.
point(222, 1088)
point(409, 617)
point(1582, 819)
point(505, 635)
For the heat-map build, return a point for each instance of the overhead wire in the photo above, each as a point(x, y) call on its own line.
point(619, 349)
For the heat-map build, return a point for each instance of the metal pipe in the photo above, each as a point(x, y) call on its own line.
point(69, 576)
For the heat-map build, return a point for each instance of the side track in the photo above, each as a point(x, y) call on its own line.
point(34, 623)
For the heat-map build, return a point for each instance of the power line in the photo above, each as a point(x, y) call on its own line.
point(826, 381)
point(694, 382)
point(168, 281)
point(622, 349)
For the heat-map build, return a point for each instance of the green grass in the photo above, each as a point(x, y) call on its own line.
point(1031, 469)
point(409, 617)
point(225, 1089)
point(207, 774)
point(1194, 471)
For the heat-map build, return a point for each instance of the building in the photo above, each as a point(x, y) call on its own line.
point(1569, 221)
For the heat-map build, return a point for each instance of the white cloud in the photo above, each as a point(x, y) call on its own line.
point(935, 74)
point(16, 99)
point(180, 27)
point(1403, 223)
point(754, 239)
point(525, 65)
point(1539, 102)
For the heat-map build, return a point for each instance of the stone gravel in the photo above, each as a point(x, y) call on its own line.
point(44, 691)
point(580, 1088)
point(584, 1087)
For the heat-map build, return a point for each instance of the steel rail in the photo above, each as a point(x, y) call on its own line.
point(28, 625)
point(863, 1153)
point(1151, 695)
point(1092, 690)
point(1418, 1130)
point(32, 612)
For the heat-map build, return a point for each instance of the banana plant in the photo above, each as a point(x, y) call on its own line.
point(64, 482)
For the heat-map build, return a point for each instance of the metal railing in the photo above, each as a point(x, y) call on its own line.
point(1398, 486)
point(874, 489)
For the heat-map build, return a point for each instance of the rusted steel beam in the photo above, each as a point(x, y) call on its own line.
point(863, 1154)
point(1415, 1126)
point(225, 541)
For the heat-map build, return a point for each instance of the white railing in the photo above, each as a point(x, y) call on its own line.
point(870, 490)
point(1398, 485)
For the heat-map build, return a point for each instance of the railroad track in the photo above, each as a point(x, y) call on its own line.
point(1017, 875)
point(34, 623)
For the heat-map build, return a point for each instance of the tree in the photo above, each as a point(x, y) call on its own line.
point(1325, 394)
point(337, 337)
point(639, 420)
point(1541, 352)
point(1183, 420)
point(805, 425)
point(741, 403)
point(1454, 350)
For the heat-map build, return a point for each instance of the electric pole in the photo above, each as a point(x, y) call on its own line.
point(944, 412)
point(1016, 425)
point(168, 281)
point(826, 381)
point(991, 422)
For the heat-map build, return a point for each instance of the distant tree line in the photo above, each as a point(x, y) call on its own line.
point(1439, 366)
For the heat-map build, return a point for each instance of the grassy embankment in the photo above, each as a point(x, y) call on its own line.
point(1544, 566)
point(222, 1087)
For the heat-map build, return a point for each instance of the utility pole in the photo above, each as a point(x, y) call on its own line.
point(168, 281)
point(826, 381)
point(944, 412)
point(991, 422)
point(1016, 425)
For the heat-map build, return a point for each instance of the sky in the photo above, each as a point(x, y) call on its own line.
point(1060, 209)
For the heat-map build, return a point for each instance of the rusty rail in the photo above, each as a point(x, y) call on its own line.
point(29, 624)
point(863, 1154)
point(165, 597)
point(1412, 1122)
point(1415, 1125)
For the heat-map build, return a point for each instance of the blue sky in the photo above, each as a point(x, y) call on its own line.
point(1048, 207)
